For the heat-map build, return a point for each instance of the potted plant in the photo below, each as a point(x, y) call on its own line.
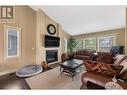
point(71, 45)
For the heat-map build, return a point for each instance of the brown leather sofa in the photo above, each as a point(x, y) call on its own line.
point(85, 54)
point(80, 54)
point(93, 80)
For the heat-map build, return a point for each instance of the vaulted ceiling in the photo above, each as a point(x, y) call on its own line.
point(77, 20)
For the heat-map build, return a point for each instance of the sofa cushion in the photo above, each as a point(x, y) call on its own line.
point(95, 78)
point(123, 76)
point(105, 57)
point(80, 52)
point(102, 68)
point(82, 57)
point(86, 53)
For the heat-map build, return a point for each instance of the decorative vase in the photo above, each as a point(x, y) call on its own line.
point(44, 64)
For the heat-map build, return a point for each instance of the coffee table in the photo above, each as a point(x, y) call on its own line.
point(70, 66)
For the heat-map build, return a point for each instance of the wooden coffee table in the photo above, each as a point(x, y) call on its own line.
point(70, 66)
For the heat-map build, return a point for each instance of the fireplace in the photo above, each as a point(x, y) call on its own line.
point(51, 56)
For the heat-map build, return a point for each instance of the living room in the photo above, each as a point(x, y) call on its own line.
point(40, 33)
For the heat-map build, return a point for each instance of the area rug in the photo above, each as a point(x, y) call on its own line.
point(53, 80)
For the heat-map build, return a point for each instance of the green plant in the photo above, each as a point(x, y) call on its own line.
point(71, 45)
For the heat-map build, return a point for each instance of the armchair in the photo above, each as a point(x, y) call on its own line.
point(95, 80)
point(115, 50)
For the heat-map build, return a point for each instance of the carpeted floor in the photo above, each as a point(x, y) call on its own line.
point(53, 80)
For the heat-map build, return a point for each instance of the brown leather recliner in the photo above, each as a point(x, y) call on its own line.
point(93, 80)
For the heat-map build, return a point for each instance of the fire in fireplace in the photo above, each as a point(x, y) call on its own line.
point(51, 56)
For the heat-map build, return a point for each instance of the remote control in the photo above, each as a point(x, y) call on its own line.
point(114, 79)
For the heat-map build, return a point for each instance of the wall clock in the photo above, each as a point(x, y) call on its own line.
point(51, 29)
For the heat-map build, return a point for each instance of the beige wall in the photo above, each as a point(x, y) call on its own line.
point(120, 35)
point(63, 35)
point(33, 28)
point(50, 21)
point(26, 20)
point(42, 21)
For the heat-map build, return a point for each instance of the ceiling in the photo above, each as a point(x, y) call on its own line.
point(77, 20)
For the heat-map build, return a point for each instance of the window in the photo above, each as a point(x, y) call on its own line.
point(105, 43)
point(12, 42)
point(90, 43)
point(79, 44)
point(101, 44)
point(84, 43)
point(65, 44)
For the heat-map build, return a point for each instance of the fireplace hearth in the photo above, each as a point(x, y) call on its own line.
point(51, 56)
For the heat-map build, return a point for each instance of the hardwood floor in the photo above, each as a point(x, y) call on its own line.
point(11, 81)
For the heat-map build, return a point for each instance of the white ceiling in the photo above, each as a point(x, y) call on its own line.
point(77, 20)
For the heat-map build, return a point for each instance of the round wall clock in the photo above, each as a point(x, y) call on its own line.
point(51, 29)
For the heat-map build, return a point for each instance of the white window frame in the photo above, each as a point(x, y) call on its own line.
point(10, 45)
point(65, 45)
point(97, 40)
point(105, 37)
point(79, 44)
point(84, 43)
point(86, 47)
point(7, 28)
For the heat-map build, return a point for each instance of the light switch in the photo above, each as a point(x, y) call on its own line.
point(33, 48)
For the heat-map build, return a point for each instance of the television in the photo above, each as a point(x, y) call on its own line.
point(51, 41)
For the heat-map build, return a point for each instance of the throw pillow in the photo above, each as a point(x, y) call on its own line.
point(89, 65)
point(102, 68)
point(80, 52)
point(105, 57)
point(86, 52)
